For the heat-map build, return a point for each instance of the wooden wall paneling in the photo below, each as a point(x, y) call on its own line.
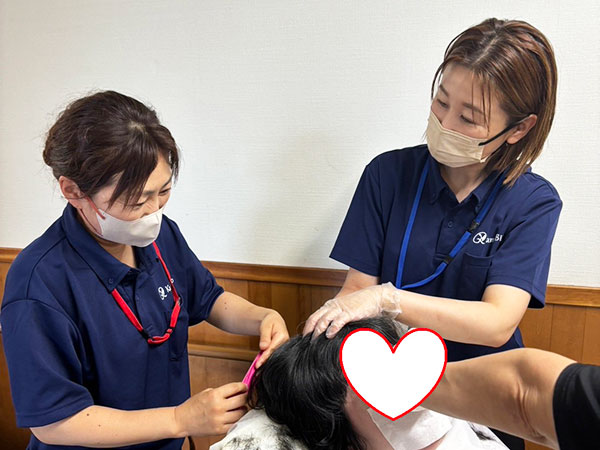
point(259, 293)
point(284, 300)
point(320, 295)
point(3, 271)
point(305, 296)
point(568, 329)
point(591, 339)
point(536, 327)
point(238, 287)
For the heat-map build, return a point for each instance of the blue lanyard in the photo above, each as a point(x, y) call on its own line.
point(459, 245)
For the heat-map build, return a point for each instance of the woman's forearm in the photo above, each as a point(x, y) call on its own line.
point(102, 427)
point(472, 322)
point(490, 321)
point(234, 314)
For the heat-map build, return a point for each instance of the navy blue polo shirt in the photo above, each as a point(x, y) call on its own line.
point(68, 344)
point(511, 246)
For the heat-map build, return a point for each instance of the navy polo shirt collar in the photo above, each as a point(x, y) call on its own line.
point(109, 270)
point(436, 184)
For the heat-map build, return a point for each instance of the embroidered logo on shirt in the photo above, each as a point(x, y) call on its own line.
point(163, 291)
point(482, 238)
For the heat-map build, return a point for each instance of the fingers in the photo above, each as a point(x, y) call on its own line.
point(325, 321)
point(273, 333)
point(266, 330)
point(337, 323)
point(265, 341)
point(235, 402)
point(314, 319)
point(278, 339)
point(231, 389)
point(231, 417)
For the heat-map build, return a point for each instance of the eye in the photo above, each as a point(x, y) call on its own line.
point(469, 121)
point(164, 192)
point(442, 104)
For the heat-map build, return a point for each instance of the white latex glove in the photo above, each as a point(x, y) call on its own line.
point(381, 299)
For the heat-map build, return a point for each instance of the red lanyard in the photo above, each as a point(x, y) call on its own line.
point(134, 320)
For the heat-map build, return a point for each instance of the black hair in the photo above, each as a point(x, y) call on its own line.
point(302, 387)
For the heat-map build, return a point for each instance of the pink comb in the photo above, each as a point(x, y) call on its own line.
point(250, 374)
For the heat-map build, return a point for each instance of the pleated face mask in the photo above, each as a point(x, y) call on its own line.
point(454, 149)
point(139, 233)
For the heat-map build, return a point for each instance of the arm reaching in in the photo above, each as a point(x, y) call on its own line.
point(511, 391)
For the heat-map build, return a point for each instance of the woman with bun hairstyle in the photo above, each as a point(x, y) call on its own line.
point(96, 311)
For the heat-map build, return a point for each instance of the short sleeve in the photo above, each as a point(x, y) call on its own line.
point(43, 354)
point(576, 407)
point(360, 242)
point(203, 289)
point(523, 259)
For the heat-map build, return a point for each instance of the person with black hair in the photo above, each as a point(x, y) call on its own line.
point(300, 400)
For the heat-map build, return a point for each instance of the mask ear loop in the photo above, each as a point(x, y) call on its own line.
point(95, 208)
point(511, 125)
point(97, 212)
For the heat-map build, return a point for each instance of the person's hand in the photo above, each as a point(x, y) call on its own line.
point(273, 333)
point(212, 411)
point(381, 299)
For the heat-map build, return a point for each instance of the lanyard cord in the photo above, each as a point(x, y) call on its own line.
point(459, 245)
point(135, 321)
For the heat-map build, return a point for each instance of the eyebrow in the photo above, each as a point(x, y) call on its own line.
point(465, 104)
point(148, 193)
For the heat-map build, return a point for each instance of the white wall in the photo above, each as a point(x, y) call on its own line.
point(277, 106)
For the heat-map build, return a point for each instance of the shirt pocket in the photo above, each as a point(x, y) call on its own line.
point(179, 339)
point(473, 276)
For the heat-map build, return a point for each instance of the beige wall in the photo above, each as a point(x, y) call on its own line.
point(277, 107)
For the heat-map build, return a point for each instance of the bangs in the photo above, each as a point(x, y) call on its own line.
point(136, 160)
point(480, 75)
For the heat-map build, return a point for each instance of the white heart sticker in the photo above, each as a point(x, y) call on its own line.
point(393, 380)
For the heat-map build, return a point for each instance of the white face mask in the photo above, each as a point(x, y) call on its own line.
point(140, 232)
point(453, 149)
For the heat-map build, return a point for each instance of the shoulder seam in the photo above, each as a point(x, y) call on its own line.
point(46, 305)
point(38, 261)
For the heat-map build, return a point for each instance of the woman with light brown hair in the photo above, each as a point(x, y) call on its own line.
point(455, 235)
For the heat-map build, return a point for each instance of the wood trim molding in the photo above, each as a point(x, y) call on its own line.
point(277, 274)
point(221, 352)
point(555, 295)
point(8, 255)
point(573, 295)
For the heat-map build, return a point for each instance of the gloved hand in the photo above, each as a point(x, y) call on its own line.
point(381, 299)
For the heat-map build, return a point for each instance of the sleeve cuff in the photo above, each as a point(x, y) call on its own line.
point(538, 298)
point(40, 419)
point(361, 266)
